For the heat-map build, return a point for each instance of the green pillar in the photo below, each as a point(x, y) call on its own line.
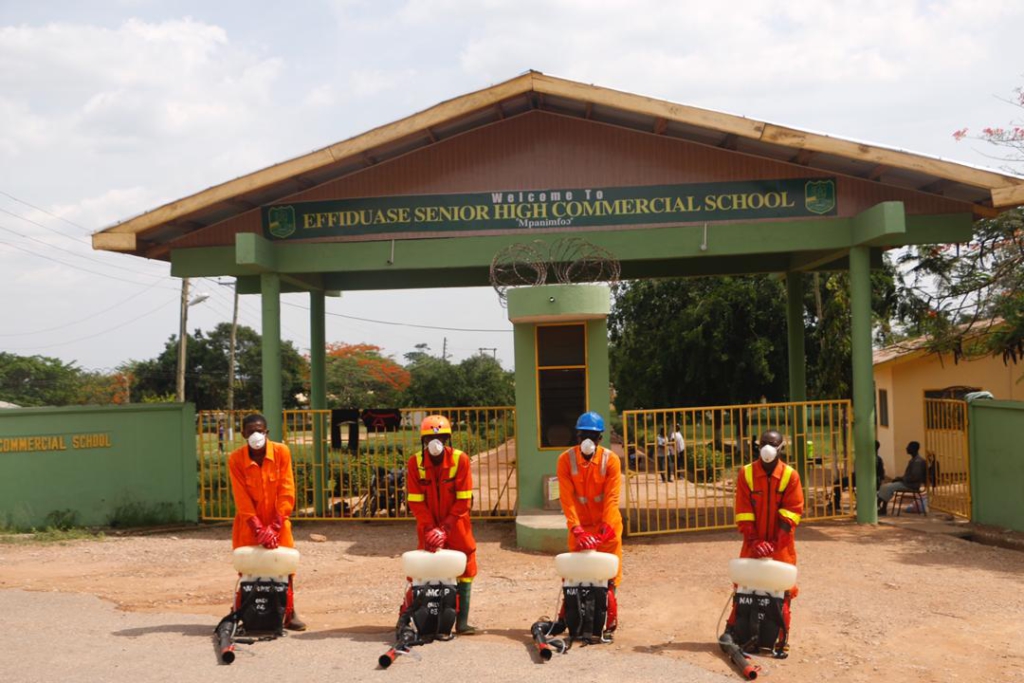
point(318, 396)
point(863, 384)
point(270, 291)
point(797, 366)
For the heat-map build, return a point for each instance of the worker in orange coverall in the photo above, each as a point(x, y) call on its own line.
point(769, 503)
point(264, 491)
point(589, 480)
point(440, 495)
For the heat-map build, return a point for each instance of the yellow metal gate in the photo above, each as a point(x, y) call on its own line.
point(668, 489)
point(358, 471)
point(948, 454)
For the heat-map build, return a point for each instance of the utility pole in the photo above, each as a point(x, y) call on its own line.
point(492, 349)
point(444, 350)
point(182, 341)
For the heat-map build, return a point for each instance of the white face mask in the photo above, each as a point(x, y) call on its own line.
point(257, 440)
point(435, 447)
point(588, 447)
point(769, 453)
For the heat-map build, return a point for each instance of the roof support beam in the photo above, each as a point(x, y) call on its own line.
point(660, 124)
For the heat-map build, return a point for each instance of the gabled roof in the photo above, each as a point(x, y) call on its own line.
point(910, 349)
point(148, 233)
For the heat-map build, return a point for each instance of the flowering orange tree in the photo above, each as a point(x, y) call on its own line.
point(360, 376)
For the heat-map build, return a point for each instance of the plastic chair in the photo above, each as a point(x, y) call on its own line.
point(918, 496)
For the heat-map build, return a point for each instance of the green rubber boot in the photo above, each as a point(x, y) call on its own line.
point(462, 626)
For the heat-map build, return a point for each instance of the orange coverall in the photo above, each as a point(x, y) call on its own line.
point(262, 491)
point(441, 496)
point(762, 502)
point(589, 493)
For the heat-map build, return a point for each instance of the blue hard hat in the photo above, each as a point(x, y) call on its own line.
point(590, 422)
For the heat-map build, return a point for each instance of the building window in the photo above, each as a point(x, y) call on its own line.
point(883, 408)
point(561, 382)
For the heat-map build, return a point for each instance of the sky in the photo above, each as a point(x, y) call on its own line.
point(112, 108)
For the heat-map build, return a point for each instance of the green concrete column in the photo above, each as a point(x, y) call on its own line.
point(270, 291)
point(797, 365)
point(863, 384)
point(318, 395)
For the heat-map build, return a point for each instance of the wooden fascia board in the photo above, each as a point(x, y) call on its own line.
point(1008, 197)
point(112, 241)
point(416, 123)
point(797, 139)
point(639, 104)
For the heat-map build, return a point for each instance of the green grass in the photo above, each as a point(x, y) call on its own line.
point(49, 535)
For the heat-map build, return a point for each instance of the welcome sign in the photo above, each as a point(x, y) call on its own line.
point(556, 208)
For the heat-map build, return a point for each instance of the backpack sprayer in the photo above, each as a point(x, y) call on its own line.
point(760, 623)
point(261, 598)
point(587, 608)
point(430, 606)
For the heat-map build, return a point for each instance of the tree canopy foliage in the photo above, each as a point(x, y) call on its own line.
point(718, 341)
point(206, 370)
point(477, 381)
point(360, 376)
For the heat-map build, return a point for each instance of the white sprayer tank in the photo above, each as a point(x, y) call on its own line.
point(256, 561)
point(444, 566)
point(587, 567)
point(763, 575)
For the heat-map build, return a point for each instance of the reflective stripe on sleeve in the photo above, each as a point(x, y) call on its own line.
point(791, 516)
point(462, 495)
point(416, 498)
point(745, 517)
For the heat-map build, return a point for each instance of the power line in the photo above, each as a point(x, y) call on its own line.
point(76, 267)
point(81, 320)
point(33, 206)
point(68, 251)
point(92, 336)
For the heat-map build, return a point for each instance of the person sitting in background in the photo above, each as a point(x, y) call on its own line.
point(846, 482)
point(912, 480)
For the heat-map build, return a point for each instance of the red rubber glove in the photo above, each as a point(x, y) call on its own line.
point(584, 541)
point(764, 549)
point(256, 526)
point(605, 533)
point(435, 539)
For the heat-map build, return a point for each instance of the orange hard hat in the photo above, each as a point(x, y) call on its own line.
point(435, 424)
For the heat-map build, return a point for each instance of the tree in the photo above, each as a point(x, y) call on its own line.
point(103, 388)
point(690, 342)
point(477, 381)
point(359, 376)
point(968, 300)
point(206, 370)
point(37, 380)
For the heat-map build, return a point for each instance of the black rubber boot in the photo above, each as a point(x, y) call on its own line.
point(295, 623)
point(462, 626)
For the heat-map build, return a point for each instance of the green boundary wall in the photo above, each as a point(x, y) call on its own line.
point(997, 463)
point(106, 464)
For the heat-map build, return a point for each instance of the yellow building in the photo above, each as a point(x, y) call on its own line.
point(906, 375)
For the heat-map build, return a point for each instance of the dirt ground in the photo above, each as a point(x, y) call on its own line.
point(875, 603)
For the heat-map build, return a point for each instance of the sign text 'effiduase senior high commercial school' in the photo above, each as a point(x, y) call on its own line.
point(559, 208)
